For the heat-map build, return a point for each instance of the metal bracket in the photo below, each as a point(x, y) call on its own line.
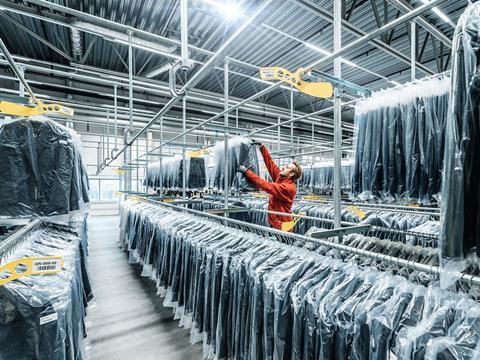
point(341, 231)
point(227, 210)
point(173, 78)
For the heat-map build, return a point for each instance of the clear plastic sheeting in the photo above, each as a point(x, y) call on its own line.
point(399, 141)
point(318, 178)
point(43, 317)
point(248, 297)
point(172, 168)
point(241, 151)
point(460, 233)
point(43, 173)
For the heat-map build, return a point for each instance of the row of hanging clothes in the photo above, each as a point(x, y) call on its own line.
point(208, 171)
point(248, 296)
point(414, 228)
point(169, 173)
point(43, 173)
point(318, 177)
point(399, 143)
point(43, 317)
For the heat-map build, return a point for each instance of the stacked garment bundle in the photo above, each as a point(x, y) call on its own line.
point(319, 177)
point(399, 136)
point(460, 235)
point(172, 169)
point(43, 173)
point(422, 230)
point(241, 151)
point(248, 296)
point(43, 317)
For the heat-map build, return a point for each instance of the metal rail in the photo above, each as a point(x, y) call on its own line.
point(10, 242)
point(192, 82)
point(429, 269)
point(17, 71)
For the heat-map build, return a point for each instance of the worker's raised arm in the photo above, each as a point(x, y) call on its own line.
point(280, 191)
point(271, 166)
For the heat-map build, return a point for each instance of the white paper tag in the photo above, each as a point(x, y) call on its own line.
point(48, 319)
point(46, 265)
point(64, 142)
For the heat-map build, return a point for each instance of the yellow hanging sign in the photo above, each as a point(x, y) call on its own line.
point(14, 109)
point(357, 211)
point(30, 266)
point(317, 89)
point(312, 198)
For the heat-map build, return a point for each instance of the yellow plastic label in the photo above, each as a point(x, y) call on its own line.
point(260, 195)
point(312, 197)
point(14, 109)
point(316, 89)
point(168, 200)
point(357, 211)
point(30, 266)
point(289, 225)
point(119, 171)
point(414, 205)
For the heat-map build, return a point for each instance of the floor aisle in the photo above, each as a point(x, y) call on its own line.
point(127, 320)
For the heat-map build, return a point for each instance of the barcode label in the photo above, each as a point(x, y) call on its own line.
point(46, 265)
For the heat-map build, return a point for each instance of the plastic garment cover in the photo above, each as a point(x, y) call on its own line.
point(42, 169)
point(319, 177)
point(240, 152)
point(399, 137)
point(248, 297)
point(43, 317)
point(172, 168)
point(461, 177)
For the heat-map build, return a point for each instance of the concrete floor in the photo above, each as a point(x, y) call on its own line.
point(127, 320)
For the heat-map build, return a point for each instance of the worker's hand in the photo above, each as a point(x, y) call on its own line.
point(256, 142)
point(242, 169)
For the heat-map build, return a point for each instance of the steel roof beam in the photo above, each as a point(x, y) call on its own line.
point(325, 14)
point(405, 7)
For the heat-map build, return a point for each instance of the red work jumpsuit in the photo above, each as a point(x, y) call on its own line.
point(282, 190)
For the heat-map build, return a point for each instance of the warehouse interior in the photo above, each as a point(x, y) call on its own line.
point(239, 179)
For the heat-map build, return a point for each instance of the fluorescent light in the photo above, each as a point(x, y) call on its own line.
point(395, 83)
point(440, 14)
point(348, 62)
point(230, 9)
point(316, 48)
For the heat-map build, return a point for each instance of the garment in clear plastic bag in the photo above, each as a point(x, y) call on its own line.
point(461, 177)
point(43, 173)
point(399, 136)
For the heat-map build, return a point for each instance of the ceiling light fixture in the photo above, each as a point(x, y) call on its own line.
point(229, 9)
point(440, 14)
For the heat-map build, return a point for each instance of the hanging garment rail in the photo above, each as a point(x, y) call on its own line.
point(14, 239)
point(331, 221)
point(429, 269)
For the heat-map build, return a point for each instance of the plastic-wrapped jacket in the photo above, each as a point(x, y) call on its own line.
point(461, 177)
point(42, 169)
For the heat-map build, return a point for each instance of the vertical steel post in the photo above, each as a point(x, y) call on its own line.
point(160, 151)
point(413, 49)
point(313, 141)
point(115, 114)
point(225, 134)
point(108, 134)
point(21, 87)
point(184, 54)
point(130, 105)
point(337, 114)
point(278, 133)
point(136, 166)
point(236, 119)
point(184, 150)
point(291, 118)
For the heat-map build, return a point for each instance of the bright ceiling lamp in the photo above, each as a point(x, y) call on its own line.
point(440, 14)
point(229, 9)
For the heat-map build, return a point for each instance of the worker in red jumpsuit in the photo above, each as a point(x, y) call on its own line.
point(282, 190)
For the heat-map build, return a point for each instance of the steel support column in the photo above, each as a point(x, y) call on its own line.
point(413, 49)
point(225, 133)
point(337, 116)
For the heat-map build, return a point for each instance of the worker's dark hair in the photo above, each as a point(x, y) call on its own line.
point(297, 173)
